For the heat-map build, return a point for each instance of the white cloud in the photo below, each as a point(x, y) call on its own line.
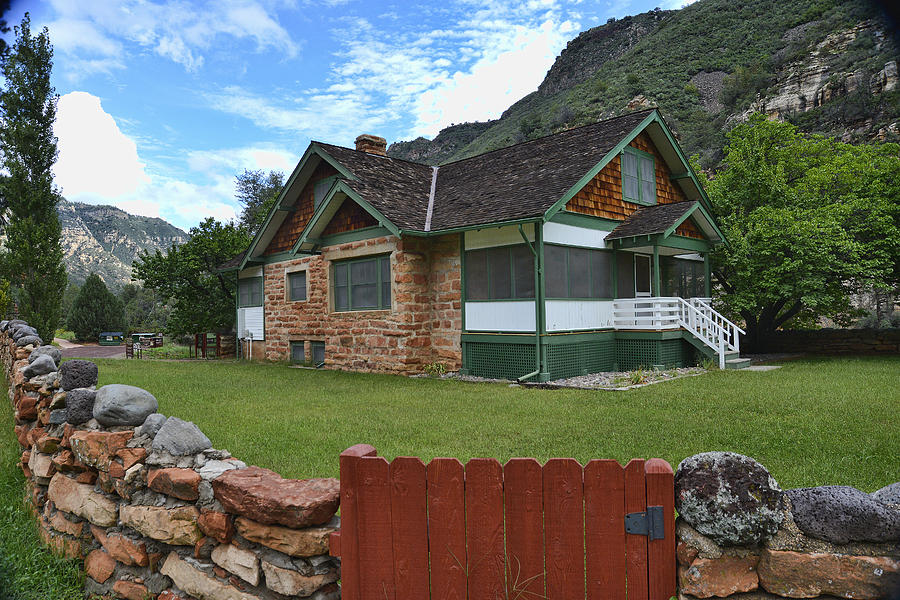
point(99, 164)
point(88, 30)
point(95, 157)
point(420, 80)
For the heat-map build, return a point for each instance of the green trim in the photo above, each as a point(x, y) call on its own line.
point(508, 338)
point(656, 282)
point(352, 236)
point(565, 217)
point(556, 339)
point(690, 171)
point(491, 225)
point(569, 278)
point(561, 203)
point(276, 258)
point(462, 282)
point(676, 176)
point(514, 292)
point(489, 300)
point(376, 258)
point(313, 149)
point(656, 239)
point(688, 213)
point(669, 334)
point(339, 186)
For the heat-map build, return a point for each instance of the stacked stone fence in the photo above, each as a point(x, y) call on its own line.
point(152, 509)
point(833, 341)
point(155, 512)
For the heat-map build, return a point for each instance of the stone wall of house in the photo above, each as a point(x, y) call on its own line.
point(835, 341)
point(739, 536)
point(153, 510)
point(423, 326)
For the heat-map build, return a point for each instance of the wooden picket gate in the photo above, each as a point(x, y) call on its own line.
point(517, 531)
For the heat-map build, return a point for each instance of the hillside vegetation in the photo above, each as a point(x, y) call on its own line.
point(822, 64)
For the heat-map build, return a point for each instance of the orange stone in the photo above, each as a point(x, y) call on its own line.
point(97, 448)
point(131, 456)
point(131, 590)
point(216, 525)
point(720, 577)
point(99, 566)
point(181, 483)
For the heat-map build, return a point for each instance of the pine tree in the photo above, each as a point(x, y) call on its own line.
point(33, 259)
point(95, 309)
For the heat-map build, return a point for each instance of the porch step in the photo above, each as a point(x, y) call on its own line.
point(737, 363)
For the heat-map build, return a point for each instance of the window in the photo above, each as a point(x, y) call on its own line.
point(250, 292)
point(297, 286)
point(504, 273)
point(363, 284)
point(298, 352)
point(684, 278)
point(577, 272)
point(638, 177)
point(320, 189)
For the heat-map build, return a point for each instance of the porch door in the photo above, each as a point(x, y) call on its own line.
point(642, 271)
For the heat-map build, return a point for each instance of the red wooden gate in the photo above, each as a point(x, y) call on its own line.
point(487, 531)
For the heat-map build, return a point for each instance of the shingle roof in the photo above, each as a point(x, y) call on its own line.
point(398, 189)
point(232, 263)
point(511, 183)
point(651, 219)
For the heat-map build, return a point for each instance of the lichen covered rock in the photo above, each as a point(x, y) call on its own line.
point(728, 497)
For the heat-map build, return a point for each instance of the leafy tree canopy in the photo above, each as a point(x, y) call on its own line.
point(257, 192)
point(95, 310)
point(33, 260)
point(809, 221)
point(203, 298)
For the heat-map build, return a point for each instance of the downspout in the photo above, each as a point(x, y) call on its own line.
point(538, 298)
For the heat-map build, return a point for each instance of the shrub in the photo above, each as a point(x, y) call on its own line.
point(95, 309)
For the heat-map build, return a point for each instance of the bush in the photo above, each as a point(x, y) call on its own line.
point(95, 309)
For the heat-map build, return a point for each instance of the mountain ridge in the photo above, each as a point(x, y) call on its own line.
point(828, 66)
point(105, 240)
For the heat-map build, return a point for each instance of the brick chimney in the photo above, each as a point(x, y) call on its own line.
point(371, 144)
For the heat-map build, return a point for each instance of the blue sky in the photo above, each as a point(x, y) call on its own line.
point(163, 102)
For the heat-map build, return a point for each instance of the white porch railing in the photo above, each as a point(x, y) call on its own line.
point(695, 315)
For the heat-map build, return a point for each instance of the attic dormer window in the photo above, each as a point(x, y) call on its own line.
point(320, 189)
point(638, 176)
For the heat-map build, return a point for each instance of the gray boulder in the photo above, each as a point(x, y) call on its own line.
point(118, 404)
point(77, 374)
point(80, 405)
point(152, 424)
point(43, 365)
point(58, 416)
point(840, 514)
point(13, 323)
point(4, 324)
point(51, 351)
point(23, 330)
point(729, 498)
point(180, 438)
point(29, 339)
point(889, 494)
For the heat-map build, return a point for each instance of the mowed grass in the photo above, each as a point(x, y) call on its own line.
point(27, 570)
point(812, 422)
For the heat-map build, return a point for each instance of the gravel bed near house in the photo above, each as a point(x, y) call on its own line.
point(612, 380)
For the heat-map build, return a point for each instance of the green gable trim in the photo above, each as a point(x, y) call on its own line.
point(352, 236)
point(340, 185)
point(313, 150)
point(689, 173)
point(706, 215)
point(464, 228)
point(657, 239)
point(565, 217)
point(276, 258)
point(676, 176)
point(617, 149)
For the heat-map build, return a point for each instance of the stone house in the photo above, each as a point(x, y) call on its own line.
point(578, 252)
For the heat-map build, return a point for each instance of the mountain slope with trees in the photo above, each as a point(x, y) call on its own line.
point(825, 65)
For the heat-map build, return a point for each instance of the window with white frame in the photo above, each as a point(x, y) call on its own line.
point(250, 292)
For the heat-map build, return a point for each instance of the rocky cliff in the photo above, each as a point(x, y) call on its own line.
point(829, 66)
point(105, 240)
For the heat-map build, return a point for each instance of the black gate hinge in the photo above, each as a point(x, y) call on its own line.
point(648, 523)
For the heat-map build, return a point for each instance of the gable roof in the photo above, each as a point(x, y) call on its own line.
point(664, 219)
point(529, 181)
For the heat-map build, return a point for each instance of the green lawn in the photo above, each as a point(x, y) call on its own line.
point(813, 422)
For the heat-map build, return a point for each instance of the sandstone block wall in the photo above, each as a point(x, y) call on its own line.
point(153, 524)
point(422, 326)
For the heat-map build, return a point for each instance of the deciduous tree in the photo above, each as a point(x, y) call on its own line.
point(33, 258)
point(203, 298)
point(809, 221)
point(257, 191)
